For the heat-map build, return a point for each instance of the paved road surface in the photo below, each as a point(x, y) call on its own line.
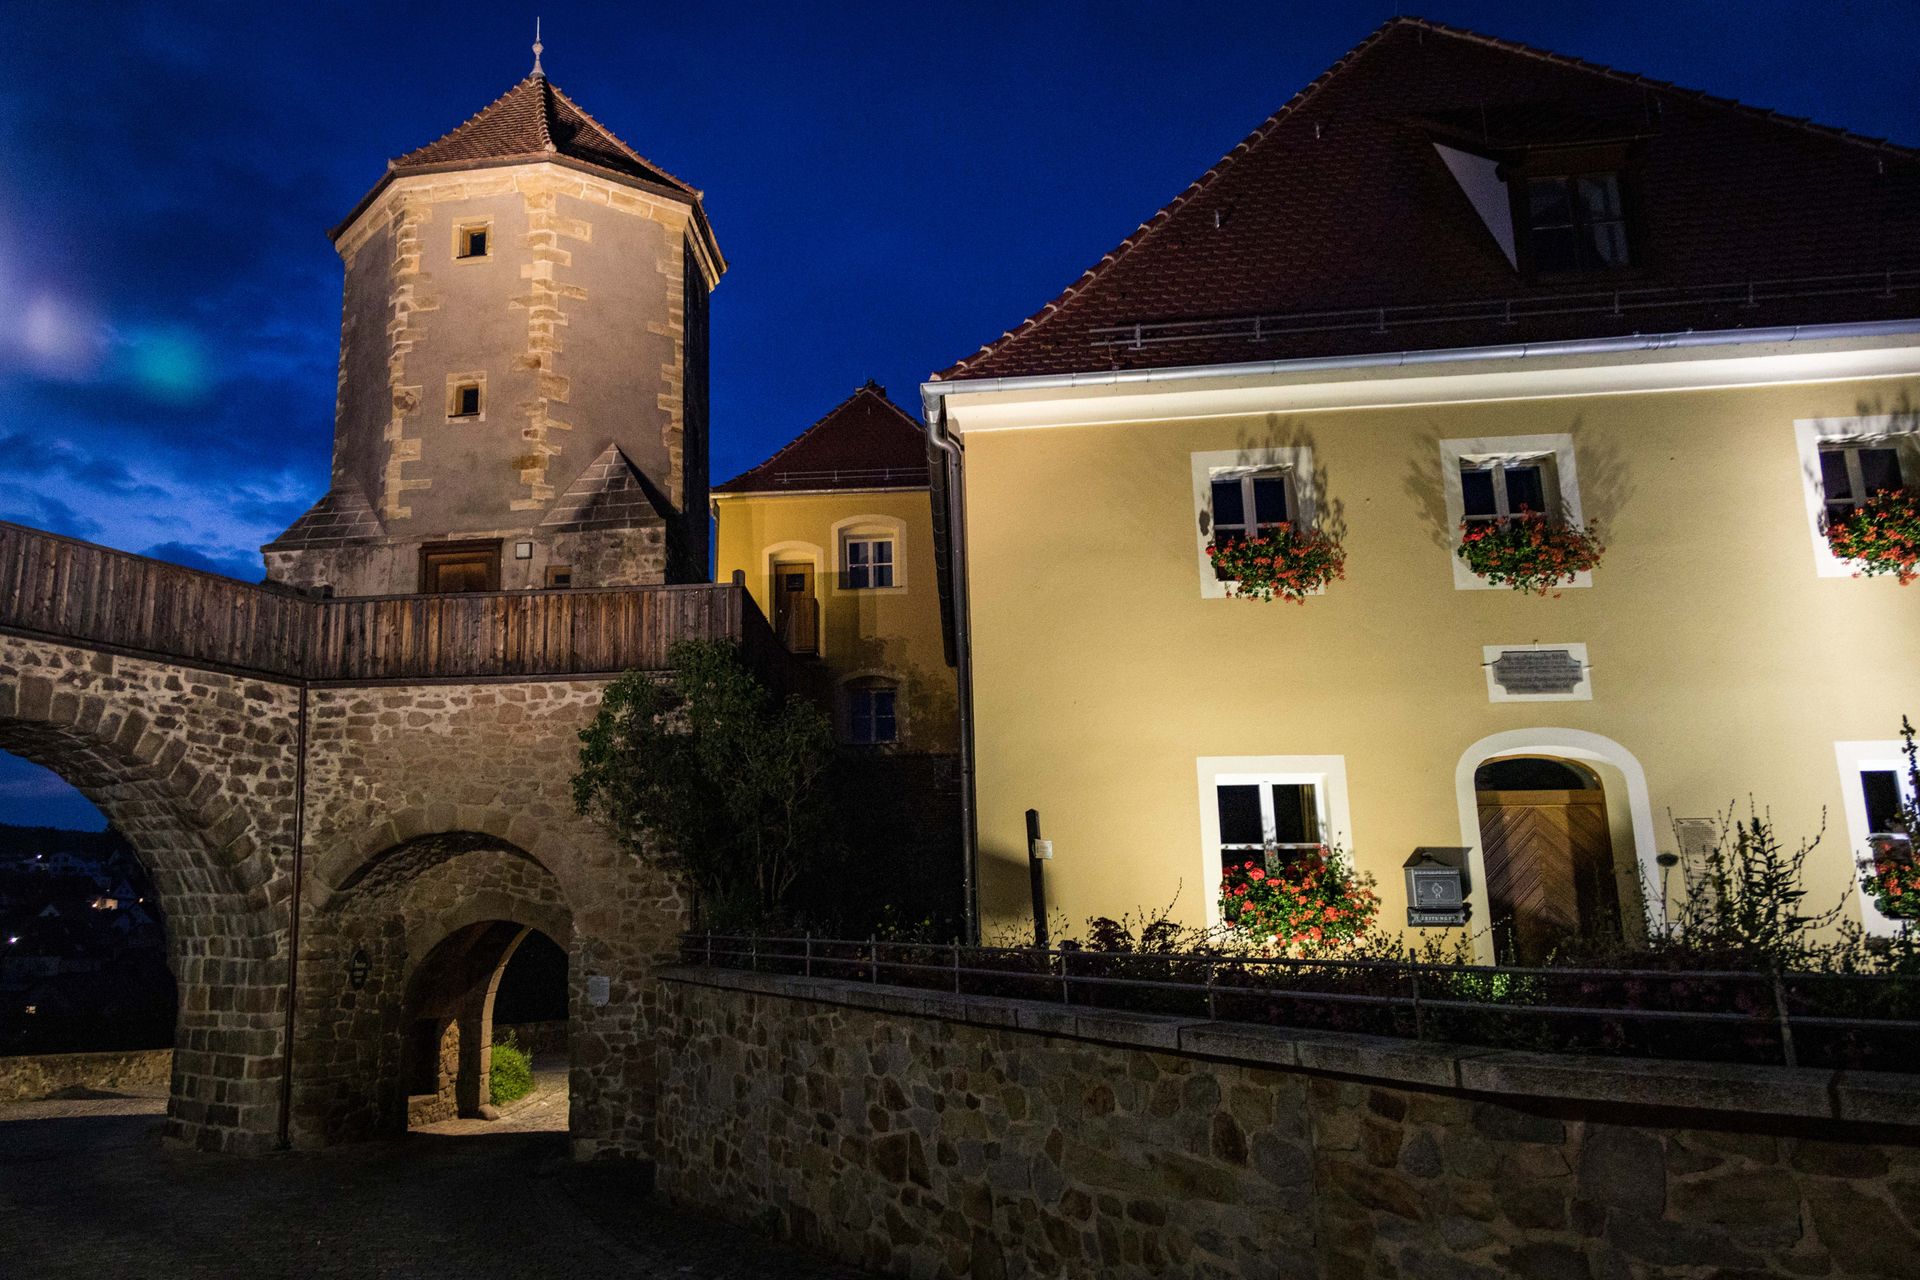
point(87, 1192)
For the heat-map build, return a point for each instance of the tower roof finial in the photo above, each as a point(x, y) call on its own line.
point(538, 48)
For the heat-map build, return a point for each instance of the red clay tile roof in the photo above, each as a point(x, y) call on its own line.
point(534, 120)
point(1335, 228)
point(866, 442)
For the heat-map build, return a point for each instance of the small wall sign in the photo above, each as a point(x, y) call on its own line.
point(1537, 673)
point(599, 989)
point(1043, 850)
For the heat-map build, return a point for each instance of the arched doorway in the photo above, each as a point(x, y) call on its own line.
point(453, 1030)
point(1547, 854)
point(1569, 755)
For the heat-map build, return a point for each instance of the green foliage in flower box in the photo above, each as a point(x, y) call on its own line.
point(1880, 536)
point(1282, 565)
point(1529, 552)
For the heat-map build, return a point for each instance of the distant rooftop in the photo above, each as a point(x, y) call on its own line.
point(865, 442)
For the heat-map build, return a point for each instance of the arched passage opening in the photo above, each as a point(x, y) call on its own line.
point(140, 742)
point(83, 962)
point(1562, 835)
point(410, 951)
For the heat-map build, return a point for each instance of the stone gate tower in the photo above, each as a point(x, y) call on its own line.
point(523, 367)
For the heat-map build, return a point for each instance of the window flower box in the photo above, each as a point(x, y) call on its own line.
point(1528, 551)
point(1880, 535)
point(1311, 904)
point(1282, 565)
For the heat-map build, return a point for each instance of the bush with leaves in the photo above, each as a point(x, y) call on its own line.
point(1314, 905)
point(511, 1077)
point(706, 766)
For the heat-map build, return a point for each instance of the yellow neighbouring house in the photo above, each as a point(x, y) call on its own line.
point(834, 537)
point(1453, 281)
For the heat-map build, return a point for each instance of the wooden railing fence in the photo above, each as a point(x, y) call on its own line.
point(66, 590)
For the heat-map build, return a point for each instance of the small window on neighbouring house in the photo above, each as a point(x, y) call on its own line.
point(559, 576)
point(869, 563)
point(1497, 489)
point(872, 716)
point(1271, 821)
point(471, 242)
point(466, 400)
point(1852, 472)
point(1576, 222)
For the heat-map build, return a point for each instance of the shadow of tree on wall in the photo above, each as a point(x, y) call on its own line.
point(1254, 449)
point(1603, 479)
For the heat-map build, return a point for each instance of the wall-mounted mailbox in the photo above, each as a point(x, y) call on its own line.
point(1437, 886)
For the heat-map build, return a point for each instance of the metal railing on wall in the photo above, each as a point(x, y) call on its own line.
point(1754, 1016)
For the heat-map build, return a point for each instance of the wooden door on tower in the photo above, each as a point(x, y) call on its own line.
point(1549, 868)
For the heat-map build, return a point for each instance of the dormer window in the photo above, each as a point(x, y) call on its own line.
point(1575, 223)
point(471, 240)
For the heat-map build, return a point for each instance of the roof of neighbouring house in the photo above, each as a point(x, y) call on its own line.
point(866, 442)
point(533, 121)
point(1336, 227)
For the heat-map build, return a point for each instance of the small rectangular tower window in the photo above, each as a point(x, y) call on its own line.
point(465, 398)
point(471, 240)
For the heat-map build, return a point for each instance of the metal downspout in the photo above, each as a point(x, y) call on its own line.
point(962, 660)
point(293, 922)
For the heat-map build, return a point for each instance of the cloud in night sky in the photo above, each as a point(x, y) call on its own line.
point(894, 185)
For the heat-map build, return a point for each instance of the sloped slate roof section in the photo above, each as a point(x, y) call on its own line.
point(342, 515)
point(610, 494)
point(532, 120)
point(1336, 229)
point(865, 442)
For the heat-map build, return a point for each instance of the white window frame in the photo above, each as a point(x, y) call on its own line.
point(1564, 504)
point(870, 528)
point(1811, 434)
point(1855, 759)
point(1296, 464)
point(1326, 774)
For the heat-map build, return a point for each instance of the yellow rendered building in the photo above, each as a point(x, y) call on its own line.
point(1413, 300)
point(834, 538)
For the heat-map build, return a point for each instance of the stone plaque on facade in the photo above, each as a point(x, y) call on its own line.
point(1537, 672)
point(599, 989)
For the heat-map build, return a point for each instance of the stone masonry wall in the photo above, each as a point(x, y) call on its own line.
point(24, 1078)
point(197, 768)
point(434, 807)
point(926, 1146)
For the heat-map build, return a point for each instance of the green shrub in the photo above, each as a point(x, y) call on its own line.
point(512, 1075)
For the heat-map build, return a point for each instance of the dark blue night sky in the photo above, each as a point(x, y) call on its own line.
point(893, 184)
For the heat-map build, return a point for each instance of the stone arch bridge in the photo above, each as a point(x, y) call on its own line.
point(399, 768)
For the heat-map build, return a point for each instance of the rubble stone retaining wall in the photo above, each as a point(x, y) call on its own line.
point(933, 1135)
point(31, 1076)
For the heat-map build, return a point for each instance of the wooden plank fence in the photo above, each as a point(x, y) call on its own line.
point(71, 591)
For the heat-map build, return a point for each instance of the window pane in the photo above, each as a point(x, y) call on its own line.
point(1556, 249)
point(1608, 243)
point(883, 575)
point(884, 729)
point(857, 553)
point(1270, 500)
point(1548, 203)
point(1833, 473)
point(1228, 509)
point(1879, 469)
point(882, 552)
point(1526, 490)
point(1838, 511)
point(1294, 819)
point(1882, 789)
point(1240, 815)
point(1476, 492)
point(1599, 197)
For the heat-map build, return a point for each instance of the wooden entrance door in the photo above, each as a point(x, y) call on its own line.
point(1549, 867)
point(796, 613)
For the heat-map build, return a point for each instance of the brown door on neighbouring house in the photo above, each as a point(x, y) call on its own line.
point(796, 614)
point(1549, 863)
point(460, 566)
